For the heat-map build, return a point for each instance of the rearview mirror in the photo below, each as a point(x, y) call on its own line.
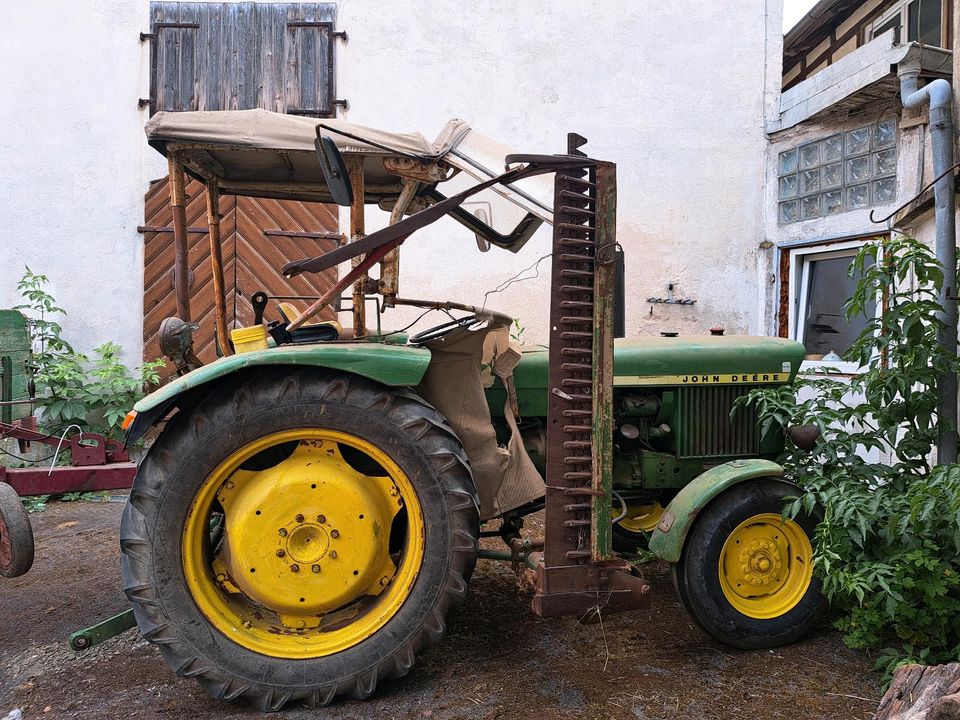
point(334, 170)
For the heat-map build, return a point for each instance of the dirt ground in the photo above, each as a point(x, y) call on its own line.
point(498, 660)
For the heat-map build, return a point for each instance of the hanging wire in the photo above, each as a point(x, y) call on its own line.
point(419, 318)
point(516, 279)
point(26, 459)
point(60, 443)
point(908, 202)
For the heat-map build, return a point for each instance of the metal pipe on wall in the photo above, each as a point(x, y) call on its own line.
point(939, 95)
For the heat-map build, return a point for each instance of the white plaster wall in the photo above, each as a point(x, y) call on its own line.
point(73, 161)
point(660, 89)
point(674, 94)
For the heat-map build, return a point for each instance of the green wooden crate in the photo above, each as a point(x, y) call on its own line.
point(14, 356)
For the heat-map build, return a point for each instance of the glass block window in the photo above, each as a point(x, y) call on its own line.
point(847, 171)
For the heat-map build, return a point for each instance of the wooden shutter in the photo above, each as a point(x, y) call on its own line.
point(238, 56)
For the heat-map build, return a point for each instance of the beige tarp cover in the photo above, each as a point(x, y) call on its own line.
point(267, 130)
point(242, 147)
point(505, 477)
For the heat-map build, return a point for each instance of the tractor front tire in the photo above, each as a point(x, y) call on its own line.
point(746, 574)
point(299, 536)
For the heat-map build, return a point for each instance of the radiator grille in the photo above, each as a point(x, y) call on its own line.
point(706, 428)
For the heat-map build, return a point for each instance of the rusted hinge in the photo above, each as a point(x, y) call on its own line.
point(167, 26)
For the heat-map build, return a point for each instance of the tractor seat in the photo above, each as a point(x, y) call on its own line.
point(309, 332)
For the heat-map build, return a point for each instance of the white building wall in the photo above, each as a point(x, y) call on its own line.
point(73, 161)
point(676, 95)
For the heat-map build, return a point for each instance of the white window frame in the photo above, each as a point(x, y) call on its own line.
point(799, 286)
point(902, 9)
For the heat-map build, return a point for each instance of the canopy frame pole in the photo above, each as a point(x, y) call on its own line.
point(216, 265)
point(181, 265)
point(389, 285)
point(357, 231)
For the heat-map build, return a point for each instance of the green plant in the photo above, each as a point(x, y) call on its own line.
point(73, 389)
point(34, 503)
point(101, 496)
point(888, 549)
point(516, 332)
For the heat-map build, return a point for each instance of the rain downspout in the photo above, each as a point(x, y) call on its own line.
point(939, 95)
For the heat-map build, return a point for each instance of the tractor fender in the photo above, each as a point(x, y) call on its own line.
point(678, 517)
point(393, 365)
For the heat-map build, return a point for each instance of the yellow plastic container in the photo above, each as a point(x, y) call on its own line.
point(249, 339)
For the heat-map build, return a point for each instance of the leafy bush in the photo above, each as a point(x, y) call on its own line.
point(888, 549)
point(71, 387)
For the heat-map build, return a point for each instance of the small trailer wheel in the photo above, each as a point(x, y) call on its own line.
point(16, 535)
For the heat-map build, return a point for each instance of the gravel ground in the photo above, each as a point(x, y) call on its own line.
point(498, 660)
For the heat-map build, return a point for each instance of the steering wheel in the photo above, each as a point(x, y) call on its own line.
point(468, 322)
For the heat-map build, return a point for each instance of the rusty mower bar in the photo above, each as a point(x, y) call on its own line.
point(578, 572)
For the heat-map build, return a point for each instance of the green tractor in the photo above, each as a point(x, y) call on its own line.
point(310, 509)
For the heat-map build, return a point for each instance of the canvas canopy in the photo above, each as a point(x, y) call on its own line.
point(267, 154)
point(259, 150)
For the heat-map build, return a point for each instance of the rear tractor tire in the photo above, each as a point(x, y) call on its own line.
point(746, 574)
point(298, 537)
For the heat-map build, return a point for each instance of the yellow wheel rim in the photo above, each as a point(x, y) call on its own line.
point(641, 518)
point(766, 566)
point(306, 557)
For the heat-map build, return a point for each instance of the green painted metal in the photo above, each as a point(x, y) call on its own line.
point(707, 354)
point(393, 365)
point(678, 517)
point(604, 278)
point(14, 356)
point(96, 634)
point(525, 556)
point(669, 359)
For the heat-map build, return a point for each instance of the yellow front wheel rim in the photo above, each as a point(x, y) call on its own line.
point(766, 566)
point(641, 518)
point(294, 548)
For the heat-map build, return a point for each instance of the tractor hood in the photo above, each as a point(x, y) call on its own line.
point(705, 359)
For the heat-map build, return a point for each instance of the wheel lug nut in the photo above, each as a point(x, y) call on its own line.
point(283, 532)
point(246, 624)
point(299, 518)
point(316, 568)
point(334, 533)
point(281, 553)
point(295, 568)
point(321, 519)
point(384, 581)
point(333, 554)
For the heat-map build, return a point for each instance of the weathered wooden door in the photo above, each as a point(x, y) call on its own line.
point(258, 237)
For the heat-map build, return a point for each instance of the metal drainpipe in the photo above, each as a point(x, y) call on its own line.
point(939, 95)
